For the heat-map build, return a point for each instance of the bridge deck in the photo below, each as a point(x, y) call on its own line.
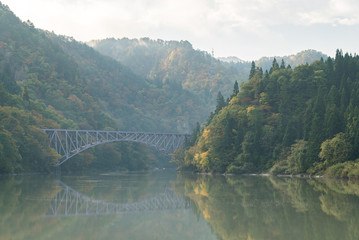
point(69, 143)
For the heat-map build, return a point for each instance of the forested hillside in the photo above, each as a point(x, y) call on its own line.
point(135, 101)
point(50, 81)
point(22, 115)
point(286, 121)
point(196, 71)
point(173, 63)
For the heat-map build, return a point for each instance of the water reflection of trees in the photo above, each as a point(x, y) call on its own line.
point(20, 207)
point(340, 199)
point(235, 207)
point(24, 201)
point(238, 207)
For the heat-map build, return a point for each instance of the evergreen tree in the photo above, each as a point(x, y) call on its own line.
point(333, 121)
point(260, 72)
point(252, 72)
point(25, 96)
point(333, 96)
point(211, 115)
point(275, 66)
point(195, 134)
point(235, 90)
point(220, 102)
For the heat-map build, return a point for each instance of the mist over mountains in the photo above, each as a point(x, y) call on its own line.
point(197, 71)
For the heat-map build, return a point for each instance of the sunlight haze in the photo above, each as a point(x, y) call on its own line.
point(246, 29)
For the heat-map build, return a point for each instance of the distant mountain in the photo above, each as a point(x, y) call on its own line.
point(196, 71)
point(243, 68)
point(173, 62)
point(231, 59)
point(303, 57)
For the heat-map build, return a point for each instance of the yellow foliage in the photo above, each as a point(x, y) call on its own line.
point(250, 108)
point(206, 214)
point(204, 159)
point(204, 155)
point(172, 55)
point(205, 133)
point(196, 190)
point(233, 101)
point(201, 191)
point(204, 193)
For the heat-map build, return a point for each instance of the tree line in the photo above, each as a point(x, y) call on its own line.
point(284, 121)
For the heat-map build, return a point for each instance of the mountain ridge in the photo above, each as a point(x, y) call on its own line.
point(197, 71)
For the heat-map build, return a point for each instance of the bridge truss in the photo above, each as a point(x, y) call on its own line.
point(69, 143)
point(69, 202)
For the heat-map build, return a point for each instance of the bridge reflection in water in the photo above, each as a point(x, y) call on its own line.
point(69, 202)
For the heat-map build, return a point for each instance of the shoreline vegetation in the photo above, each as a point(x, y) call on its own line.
point(305, 176)
point(299, 176)
point(301, 121)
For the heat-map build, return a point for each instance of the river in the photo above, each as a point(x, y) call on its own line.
point(170, 205)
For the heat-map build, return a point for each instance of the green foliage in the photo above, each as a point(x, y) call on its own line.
point(235, 90)
point(25, 95)
point(292, 160)
point(348, 169)
point(247, 207)
point(9, 154)
point(275, 66)
point(195, 135)
point(253, 70)
point(22, 142)
point(288, 121)
point(298, 156)
point(220, 103)
point(335, 150)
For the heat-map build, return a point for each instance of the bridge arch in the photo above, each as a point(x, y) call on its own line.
point(69, 143)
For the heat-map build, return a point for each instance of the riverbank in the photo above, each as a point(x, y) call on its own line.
point(346, 171)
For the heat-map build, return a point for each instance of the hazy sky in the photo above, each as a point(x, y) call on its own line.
point(248, 29)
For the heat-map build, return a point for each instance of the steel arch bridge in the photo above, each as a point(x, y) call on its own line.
point(69, 202)
point(69, 143)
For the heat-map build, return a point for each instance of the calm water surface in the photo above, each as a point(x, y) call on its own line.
point(167, 205)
